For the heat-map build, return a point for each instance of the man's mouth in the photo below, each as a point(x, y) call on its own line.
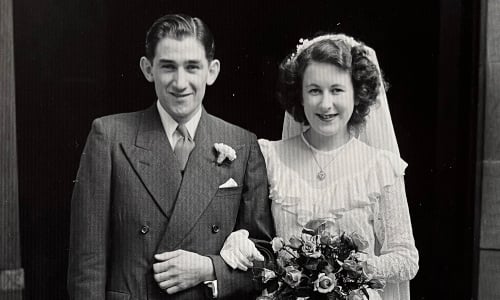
point(327, 117)
point(179, 95)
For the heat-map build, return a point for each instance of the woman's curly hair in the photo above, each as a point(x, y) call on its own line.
point(364, 74)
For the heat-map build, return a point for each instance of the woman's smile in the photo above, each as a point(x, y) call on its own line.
point(327, 117)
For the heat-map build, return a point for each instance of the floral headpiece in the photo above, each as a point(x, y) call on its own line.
point(305, 43)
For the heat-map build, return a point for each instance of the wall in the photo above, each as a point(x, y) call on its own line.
point(489, 266)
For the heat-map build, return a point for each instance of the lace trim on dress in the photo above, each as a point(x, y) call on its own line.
point(356, 190)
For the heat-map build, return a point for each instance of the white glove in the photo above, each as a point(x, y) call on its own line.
point(374, 295)
point(239, 252)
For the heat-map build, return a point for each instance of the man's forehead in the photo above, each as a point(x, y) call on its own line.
point(183, 49)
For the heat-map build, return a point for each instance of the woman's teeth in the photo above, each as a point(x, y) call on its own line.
point(326, 117)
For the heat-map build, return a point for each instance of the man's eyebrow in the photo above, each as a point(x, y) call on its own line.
point(164, 60)
point(194, 61)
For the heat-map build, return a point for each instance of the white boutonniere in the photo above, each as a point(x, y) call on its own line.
point(224, 151)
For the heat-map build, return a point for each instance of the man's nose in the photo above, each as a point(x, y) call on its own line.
point(180, 80)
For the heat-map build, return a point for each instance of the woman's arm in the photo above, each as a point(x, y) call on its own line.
point(398, 260)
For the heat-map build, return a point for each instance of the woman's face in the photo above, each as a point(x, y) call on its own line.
point(328, 99)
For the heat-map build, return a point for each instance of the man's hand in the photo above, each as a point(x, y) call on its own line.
point(178, 270)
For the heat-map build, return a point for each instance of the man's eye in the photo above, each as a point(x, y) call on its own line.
point(337, 90)
point(168, 67)
point(193, 67)
point(314, 91)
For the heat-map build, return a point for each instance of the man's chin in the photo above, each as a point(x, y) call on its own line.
point(183, 115)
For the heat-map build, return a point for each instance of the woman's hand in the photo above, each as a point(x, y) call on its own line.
point(239, 252)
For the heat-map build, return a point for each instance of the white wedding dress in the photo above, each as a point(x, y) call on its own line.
point(363, 192)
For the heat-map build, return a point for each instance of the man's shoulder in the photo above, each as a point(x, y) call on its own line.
point(122, 120)
point(119, 126)
point(229, 129)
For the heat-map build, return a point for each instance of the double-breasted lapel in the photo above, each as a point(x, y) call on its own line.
point(202, 178)
point(154, 161)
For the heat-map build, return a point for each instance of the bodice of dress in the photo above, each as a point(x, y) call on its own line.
point(363, 192)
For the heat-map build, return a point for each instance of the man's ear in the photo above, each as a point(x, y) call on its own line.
point(213, 71)
point(147, 68)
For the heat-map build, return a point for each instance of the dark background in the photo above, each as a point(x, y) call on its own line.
point(78, 60)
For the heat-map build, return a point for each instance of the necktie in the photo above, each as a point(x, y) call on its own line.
point(184, 146)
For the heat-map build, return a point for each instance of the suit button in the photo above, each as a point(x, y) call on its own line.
point(145, 229)
point(215, 229)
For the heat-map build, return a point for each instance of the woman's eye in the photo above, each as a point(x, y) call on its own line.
point(337, 90)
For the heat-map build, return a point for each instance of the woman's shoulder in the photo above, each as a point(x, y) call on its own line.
point(268, 146)
point(377, 158)
point(280, 143)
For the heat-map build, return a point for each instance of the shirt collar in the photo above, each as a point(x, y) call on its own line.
point(170, 125)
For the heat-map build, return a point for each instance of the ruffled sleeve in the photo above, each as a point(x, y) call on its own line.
point(269, 156)
point(265, 148)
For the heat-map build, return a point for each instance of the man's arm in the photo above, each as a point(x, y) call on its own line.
point(90, 218)
point(255, 216)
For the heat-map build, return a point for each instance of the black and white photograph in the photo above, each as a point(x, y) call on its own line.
point(263, 150)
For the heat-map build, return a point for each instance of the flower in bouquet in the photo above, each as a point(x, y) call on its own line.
point(292, 276)
point(325, 283)
point(277, 244)
point(310, 246)
point(267, 275)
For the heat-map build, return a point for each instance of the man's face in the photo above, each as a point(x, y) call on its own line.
point(180, 72)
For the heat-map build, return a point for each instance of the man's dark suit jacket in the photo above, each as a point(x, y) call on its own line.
point(130, 202)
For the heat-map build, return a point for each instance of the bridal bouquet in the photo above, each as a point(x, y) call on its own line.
point(316, 265)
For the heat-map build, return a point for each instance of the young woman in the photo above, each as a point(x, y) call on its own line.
point(332, 86)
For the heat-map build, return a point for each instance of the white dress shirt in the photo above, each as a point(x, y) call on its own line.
point(170, 125)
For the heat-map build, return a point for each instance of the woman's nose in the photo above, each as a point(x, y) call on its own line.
point(326, 101)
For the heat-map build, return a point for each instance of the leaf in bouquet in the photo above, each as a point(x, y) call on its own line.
point(265, 248)
point(308, 231)
point(365, 292)
point(376, 283)
point(272, 285)
point(348, 242)
point(325, 267)
point(353, 266)
point(332, 296)
point(282, 263)
point(318, 226)
point(327, 239)
point(295, 243)
point(303, 291)
point(305, 262)
point(331, 260)
point(359, 241)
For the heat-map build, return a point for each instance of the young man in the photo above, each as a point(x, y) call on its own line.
point(154, 198)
